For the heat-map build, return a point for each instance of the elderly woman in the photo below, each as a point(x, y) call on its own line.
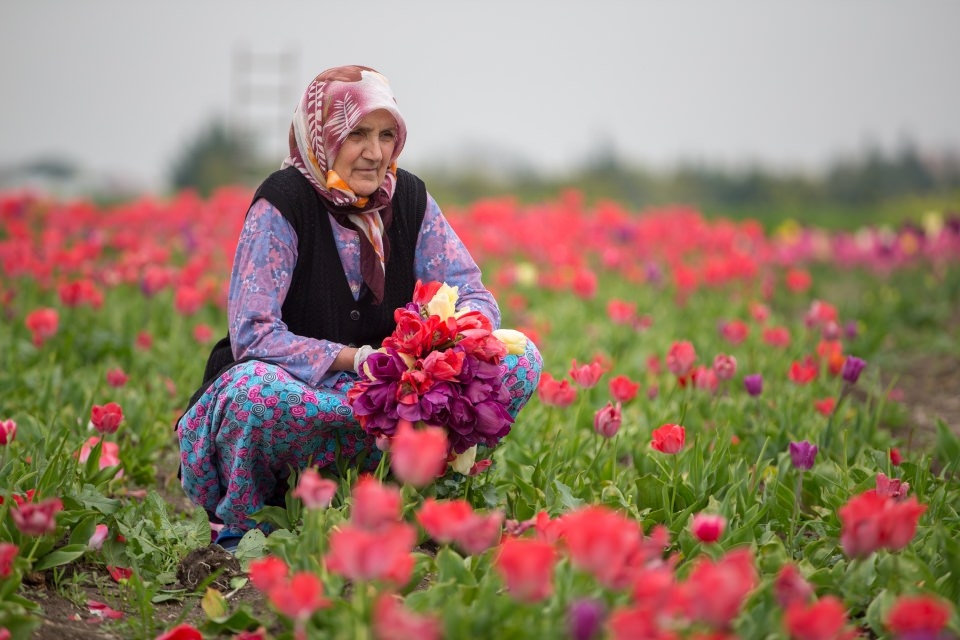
point(332, 244)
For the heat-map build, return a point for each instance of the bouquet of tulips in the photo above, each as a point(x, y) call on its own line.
point(440, 367)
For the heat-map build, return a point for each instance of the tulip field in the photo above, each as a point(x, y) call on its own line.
point(720, 444)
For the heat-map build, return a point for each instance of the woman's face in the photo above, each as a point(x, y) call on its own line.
point(365, 155)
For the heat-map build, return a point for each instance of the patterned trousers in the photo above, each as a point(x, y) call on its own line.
point(254, 423)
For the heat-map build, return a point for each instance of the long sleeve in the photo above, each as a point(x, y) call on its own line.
point(262, 271)
point(441, 256)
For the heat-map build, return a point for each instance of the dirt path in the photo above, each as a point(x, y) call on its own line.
point(928, 389)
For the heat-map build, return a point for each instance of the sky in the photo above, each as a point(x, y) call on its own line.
point(121, 87)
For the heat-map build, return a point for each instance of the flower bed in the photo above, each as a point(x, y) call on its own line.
point(706, 455)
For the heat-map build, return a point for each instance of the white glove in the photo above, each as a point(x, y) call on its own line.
point(362, 354)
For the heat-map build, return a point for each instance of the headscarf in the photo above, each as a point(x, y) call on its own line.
point(330, 109)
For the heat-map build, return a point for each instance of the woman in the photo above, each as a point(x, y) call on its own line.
point(332, 244)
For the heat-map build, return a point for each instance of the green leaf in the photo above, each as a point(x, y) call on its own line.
point(91, 498)
point(240, 620)
point(567, 499)
point(169, 595)
point(452, 568)
point(877, 611)
point(253, 545)
point(273, 515)
point(82, 532)
point(61, 556)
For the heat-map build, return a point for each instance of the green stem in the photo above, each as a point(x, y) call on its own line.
point(895, 578)
point(613, 468)
point(675, 478)
point(358, 601)
point(796, 512)
point(382, 466)
point(596, 456)
point(828, 433)
point(33, 550)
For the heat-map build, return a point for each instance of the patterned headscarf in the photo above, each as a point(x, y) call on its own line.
point(331, 107)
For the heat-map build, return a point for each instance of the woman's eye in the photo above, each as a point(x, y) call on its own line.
point(388, 135)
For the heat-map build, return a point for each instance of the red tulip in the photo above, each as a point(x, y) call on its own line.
point(668, 438)
point(299, 597)
point(455, 521)
point(870, 522)
point(8, 552)
point(266, 573)
point(42, 324)
point(623, 389)
point(789, 587)
point(716, 590)
point(921, 616)
point(361, 554)
point(681, 358)
point(181, 632)
point(586, 376)
point(526, 566)
point(555, 393)
point(825, 619)
point(106, 418)
point(393, 621)
point(374, 505)
point(116, 377)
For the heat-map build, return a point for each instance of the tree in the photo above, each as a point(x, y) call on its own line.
point(218, 156)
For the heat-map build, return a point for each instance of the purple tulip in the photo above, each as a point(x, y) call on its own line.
point(753, 383)
point(850, 330)
point(803, 454)
point(585, 619)
point(852, 367)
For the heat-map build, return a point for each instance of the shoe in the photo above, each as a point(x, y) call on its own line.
point(229, 541)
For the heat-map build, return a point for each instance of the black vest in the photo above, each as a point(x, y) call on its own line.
point(319, 303)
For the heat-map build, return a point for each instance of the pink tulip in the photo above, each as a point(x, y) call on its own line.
point(37, 518)
point(8, 431)
point(708, 527)
point(417, 456)
point(314, 491)
point(606, 421)
point(99, 536)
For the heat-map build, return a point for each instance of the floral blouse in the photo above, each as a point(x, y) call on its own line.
point(263, 268)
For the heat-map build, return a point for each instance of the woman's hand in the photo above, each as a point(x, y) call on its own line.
point(361, 355)
point(351, 358)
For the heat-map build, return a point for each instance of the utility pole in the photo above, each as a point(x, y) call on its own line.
point(264, 98)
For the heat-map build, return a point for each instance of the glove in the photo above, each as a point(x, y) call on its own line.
point(362, 354)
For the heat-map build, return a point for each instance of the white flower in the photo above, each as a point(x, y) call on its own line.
point(444, 302)
point(515, 341)
point(464, 461)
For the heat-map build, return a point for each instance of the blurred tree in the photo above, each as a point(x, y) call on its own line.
point(218, 156)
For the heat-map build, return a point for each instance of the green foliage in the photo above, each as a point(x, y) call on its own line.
point(219, 156)
point(735, 462)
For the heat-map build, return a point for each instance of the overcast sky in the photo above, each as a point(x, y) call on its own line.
point(121, 86)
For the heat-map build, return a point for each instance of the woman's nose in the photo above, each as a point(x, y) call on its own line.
point(372, 150)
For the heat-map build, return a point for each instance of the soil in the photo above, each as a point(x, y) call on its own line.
point(927, 388)
point(64, 619)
